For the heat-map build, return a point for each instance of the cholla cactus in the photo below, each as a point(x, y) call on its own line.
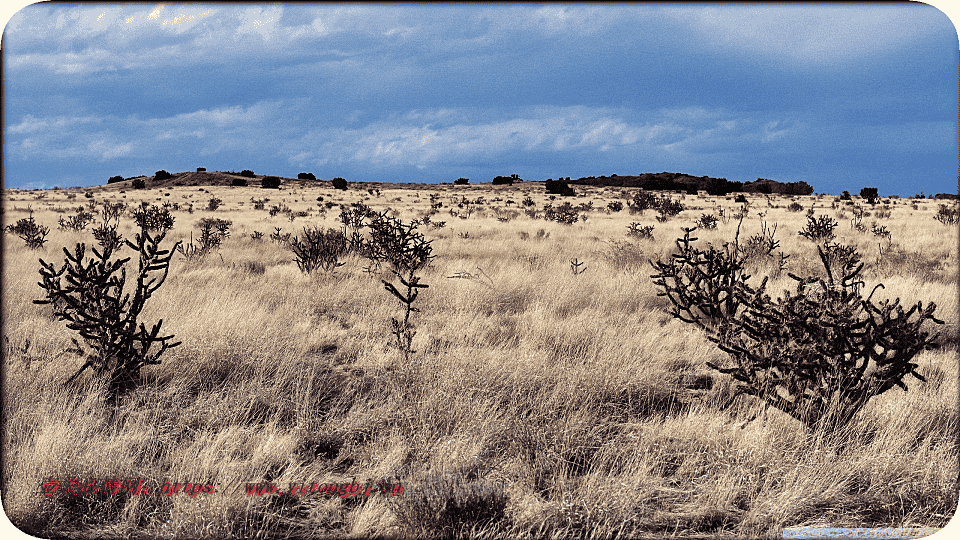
point(818, 355)
point(90, 296)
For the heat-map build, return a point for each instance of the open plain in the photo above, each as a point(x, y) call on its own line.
point(549, 392)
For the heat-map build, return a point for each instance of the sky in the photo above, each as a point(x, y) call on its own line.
point(838, 96)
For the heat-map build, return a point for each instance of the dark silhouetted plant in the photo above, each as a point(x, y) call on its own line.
point(318, 249)
point(339, 183)
point(819, 229)
point(212, 234)
point(32, 233)
point(153, 218)
point(707, 221)
point(407, 252)
point(635, 230)
point(76, 222)
point(818, 355)
point(214, 203)
point(90, 296)
point(948, 215)
point(270, 182)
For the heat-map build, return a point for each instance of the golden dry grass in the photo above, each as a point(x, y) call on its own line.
point(538, 403)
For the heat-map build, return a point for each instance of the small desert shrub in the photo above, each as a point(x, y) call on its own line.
point(270, 182)
point(795, 207)
point(76, 222)
point(339, 183)
point(461, 182)
point(162, 175)
point(306, 176)
point(407, 251)
point(615, 206)
point(213, 232)
point(318, 249)
point(117, 344)
point(819, 229)
point(565, 214)
point(214, 203)
point(817, 355)
point(138, 183)
point(558, 187)
point(624, 255)
point(32, 233)
point(114, 179)
point(258, 204)
point(107, 236)
point(153, 218)
point(279, 209)
point(238, 182)
point(246, 173)
point(635, 230)
point(706, 221)
point(948, 215)
point(758, 250)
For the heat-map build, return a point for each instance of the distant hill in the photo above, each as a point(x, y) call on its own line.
point(200, 178)
point(667, 181)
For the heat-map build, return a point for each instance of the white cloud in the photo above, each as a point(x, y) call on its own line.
point(255, 19)
point(810, 34)
point(446, 136)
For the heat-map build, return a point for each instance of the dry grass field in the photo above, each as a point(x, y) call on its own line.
point(542, 399)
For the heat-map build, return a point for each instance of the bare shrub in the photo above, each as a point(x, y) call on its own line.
point(818, 355)
point(90, 296)
point(32, 233)
point(819, 229)
point(318, 249)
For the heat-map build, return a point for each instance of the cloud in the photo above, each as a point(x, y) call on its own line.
point(811, 34)
point(238, 129)
point(423, 138)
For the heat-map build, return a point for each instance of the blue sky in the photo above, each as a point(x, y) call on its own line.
point(838, 96)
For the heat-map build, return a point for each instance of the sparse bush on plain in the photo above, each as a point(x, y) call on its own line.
point(90, 296)
point(318, 249)
point(138, 183)
point(339, 183)
point(246, 173)
point(818, 355)
point(306, 176)
point(707, 221)
point(948, 215)
point(565, 214)
point(31, 232)
point(214, 203)
point(213, 232)
point(153, 218)
point(636, 230)
point(162, 175)
point(270, 182)
point(795, 207)
point(819, 229)
point(76, 222)
point(558, 187)
point(407, 252)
